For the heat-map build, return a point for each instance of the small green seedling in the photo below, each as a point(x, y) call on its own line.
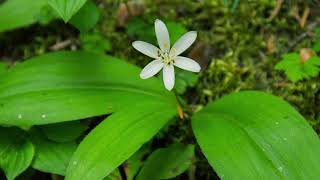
point(298, 67)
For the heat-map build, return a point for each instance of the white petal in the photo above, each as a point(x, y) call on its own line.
point(168, 76)
point(162, 35)
point(187, 64)
point(146, 48)
point(151, 69)
point(183, 43)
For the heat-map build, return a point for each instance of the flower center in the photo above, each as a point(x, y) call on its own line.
point(165, 57)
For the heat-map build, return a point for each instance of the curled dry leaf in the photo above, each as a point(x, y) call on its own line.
point(301, 19)
point(123, 15)
point(304, 17)
point(305, 54)
point(180, 112)
point(276, 10)
point(127, 10)
point(271, 44)
point(202, 53)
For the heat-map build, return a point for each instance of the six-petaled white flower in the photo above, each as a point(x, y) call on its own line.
point(166, 58)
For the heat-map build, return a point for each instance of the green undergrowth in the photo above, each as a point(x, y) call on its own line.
point(236, 55)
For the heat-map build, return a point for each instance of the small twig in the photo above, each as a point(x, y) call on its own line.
point(179, 108)
point(180, 112)
point(262, 55)
point(310, 28)
point(301, 19)
point(304, 16)
point(61, 45)
point(280, 84)
point(276, 10)
point(296, 13)
point(122, 15)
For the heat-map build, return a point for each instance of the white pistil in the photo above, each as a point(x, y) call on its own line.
point(165, 57)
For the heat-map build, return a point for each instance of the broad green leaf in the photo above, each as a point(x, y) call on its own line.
point(16, 152)
point(66, 8)
point(117, 138)
point(67, 86)
point(50, 156)
point(3, 67)
point(254, 135)
point(86, 18)
point(19, 13)
point(64, 132)
point(167, 163)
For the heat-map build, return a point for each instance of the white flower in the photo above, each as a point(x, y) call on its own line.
point(166, 58)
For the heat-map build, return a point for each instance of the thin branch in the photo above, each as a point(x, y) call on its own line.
point(276, 10)
point(305, 16)
point(310, 28)
point(61, 45)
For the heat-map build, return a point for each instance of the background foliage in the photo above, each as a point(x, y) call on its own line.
point(238, 47)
